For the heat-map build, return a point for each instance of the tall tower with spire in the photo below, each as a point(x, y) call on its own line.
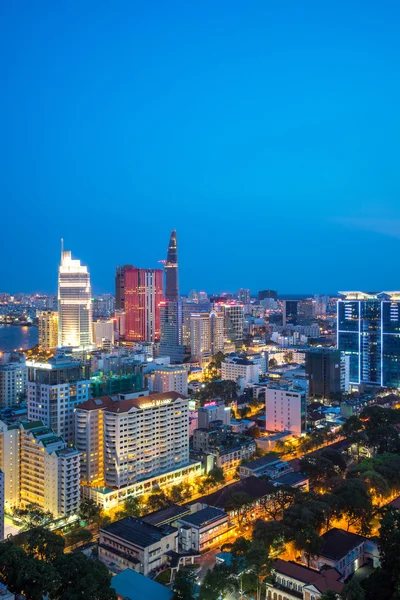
point(171, 309)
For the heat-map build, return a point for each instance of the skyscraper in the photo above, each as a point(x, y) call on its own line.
point(143, 293)
point(120, 286)
point(243, 295)
point(233, 321)
point(207, 334)
point(171, 309)
point(74, 303)
point(290, 310)
point(368, 330)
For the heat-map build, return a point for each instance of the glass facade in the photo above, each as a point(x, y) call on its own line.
point(368, 330)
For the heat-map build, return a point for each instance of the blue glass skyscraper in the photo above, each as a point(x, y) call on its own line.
point(368, 330)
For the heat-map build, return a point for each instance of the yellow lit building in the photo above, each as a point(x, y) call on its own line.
point(48, 330)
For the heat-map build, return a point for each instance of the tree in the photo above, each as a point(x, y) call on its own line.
point(33, 516)
point(82, 577)
point(309, 542)
point(11, 559)
point(78, 535)
point(157, 500)
point(217, 582)
point(132, 507)
point(288, 357)
point(254, 432)
point(37, 579)
point(184, 584)
point(272, 363)
point(89, 511)
point(218, 359)
point(44, 544)
point(328, 595)
point(239, 502)
point(269, 532)
point(353, 591)
point(351, 499)
point(258, 565)
point(179, 493)
point(389, 542)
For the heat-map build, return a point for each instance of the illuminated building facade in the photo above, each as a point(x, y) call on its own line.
point(243, 295)
point(233, 321)
point(13, 383)
point(54, 389)
point(48, 330)
point(120, 286)
point(170, 379)
point(49, 470)
point(206, 334)
point(133, 439)
point(74, 303)
point(368, 331)
point(143, 295)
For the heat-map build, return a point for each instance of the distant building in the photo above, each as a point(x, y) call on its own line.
point(368, 326)
point(189, 308)
point(54, 390)
point(103, 334)
point(48, 330)
point(213, 412)
point(2, 491)
point(241, 370)
point(206, 334)
point(233, 321)
point(243, 296)
point(13, 382)
point(74, 303)
point(133, 543)
point(170, 379)
point(120, 287)
point(323, 367)
point(10, 463)
point(285, 409)
point(264, 294)
point(143, 294)
point(290, 312)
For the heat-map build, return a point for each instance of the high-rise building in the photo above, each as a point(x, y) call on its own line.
point(103, 306)
point(74, 303)
point(285, 409)
point(49, 470)
point(120, 287)
point(203, 297)
point(188, 308)
point(206, 334)
point(54, 390)
point(243, 296)
point(113, 457)
point(171, 343)
point(143, 295)
point(368, 331)
point(170, 379)
point(13, 382)
point(193, 296)
point(48, 330)
point(264, 294)
point(323, 367)
point(233, 321)
point(2, 483)
point(10, 463)
point(290, 311)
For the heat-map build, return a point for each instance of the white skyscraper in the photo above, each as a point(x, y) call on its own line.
point(74, 303)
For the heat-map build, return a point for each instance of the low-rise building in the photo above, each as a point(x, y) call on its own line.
point(133, 543)
point(130, 585)
point(203, 529)
point(241, 370)
point(291, 581)
point(228, 459)
point(344, 551)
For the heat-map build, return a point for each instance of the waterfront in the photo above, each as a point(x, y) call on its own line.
point(15, 338)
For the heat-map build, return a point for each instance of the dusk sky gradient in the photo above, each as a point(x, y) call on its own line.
point(266, 133)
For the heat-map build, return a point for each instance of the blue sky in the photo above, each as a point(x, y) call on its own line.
point(266, 133)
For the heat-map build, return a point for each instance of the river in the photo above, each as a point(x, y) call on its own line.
point(14, 338)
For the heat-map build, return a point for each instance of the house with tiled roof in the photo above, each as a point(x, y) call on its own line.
point(291, 581)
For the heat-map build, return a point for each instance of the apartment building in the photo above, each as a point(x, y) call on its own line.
point(132, 439)
point(13, 382)
point(241, 370)
point(48, 330)
point(285, 409)
point(10, 463)
point(49, 470)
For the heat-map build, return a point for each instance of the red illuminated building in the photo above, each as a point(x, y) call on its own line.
point(143, 294)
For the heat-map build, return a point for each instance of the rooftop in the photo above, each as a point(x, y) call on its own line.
point(166, 515)
point(259, 463)
point(137, 532)
point(336, 543)
point(133, 586)
point(117, 405)
point(328, 579)
point(204, 516)
point(253, 486)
